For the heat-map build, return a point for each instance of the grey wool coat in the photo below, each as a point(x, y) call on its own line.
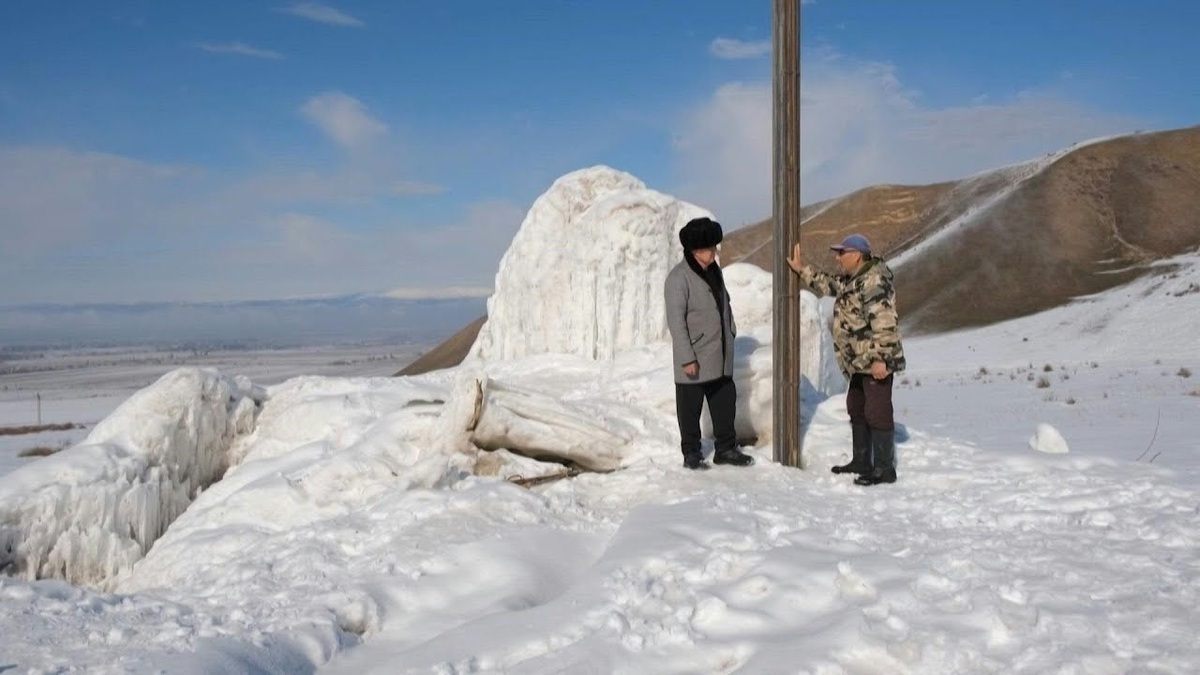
point(699, 332)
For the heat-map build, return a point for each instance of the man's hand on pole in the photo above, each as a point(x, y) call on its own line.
point(794, 260)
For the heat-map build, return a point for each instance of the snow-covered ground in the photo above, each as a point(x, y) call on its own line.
point(358, 532)
point(84, 385)
point(1117, 373)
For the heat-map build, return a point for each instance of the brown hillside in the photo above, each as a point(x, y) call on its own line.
point(888, 215)
point(1089, 221)
point(450, 352)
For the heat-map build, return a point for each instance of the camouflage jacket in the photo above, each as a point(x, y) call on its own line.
point(864, 316)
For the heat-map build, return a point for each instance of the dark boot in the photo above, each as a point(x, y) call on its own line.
point(860, 463)
point(883, 445)
point(732, 456)
point(695, 461)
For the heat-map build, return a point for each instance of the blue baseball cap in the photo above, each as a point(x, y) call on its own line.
point(853, 242)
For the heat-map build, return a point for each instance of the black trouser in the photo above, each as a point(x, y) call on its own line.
point(869, 401)
point(722, 407)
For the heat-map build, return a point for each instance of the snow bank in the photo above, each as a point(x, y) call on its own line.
point(92, 511)
point(323, 450)
point(584, 274)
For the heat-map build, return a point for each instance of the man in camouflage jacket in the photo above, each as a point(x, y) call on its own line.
point(866, 340)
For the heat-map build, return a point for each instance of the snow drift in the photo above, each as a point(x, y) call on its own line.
point(92, 511)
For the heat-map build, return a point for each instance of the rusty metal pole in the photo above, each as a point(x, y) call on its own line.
point(785, 37)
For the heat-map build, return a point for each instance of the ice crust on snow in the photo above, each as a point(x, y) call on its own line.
point(90, 512)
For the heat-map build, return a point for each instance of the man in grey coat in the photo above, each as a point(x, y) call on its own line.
point(702, 330)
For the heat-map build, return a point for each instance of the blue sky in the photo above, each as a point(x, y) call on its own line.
point(227, 150)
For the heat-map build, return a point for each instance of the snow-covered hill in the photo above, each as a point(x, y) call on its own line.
point(360, 530)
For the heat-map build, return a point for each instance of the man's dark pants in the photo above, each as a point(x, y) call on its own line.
point(722, 407)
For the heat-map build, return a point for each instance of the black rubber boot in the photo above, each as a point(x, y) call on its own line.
point(883, 445)
point(860, 463)
point(732, 456)
point(695, 462)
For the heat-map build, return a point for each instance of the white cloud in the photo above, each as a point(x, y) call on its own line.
point(343, 118)
point(240, 49)
point(96, 227)
point(861, 126)
point(52, 197)
point(300, 254)
point(315, 11)
point(471, 248)
point(724, 153)
point(729, 48)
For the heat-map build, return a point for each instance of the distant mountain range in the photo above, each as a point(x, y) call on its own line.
point(357, 318)
point(1000, 244)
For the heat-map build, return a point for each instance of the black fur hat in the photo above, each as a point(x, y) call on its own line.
point(700, 233)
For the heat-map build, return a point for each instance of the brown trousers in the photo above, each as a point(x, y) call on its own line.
point(869, 401)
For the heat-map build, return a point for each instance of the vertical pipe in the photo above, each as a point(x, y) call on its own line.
point(785, 37)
